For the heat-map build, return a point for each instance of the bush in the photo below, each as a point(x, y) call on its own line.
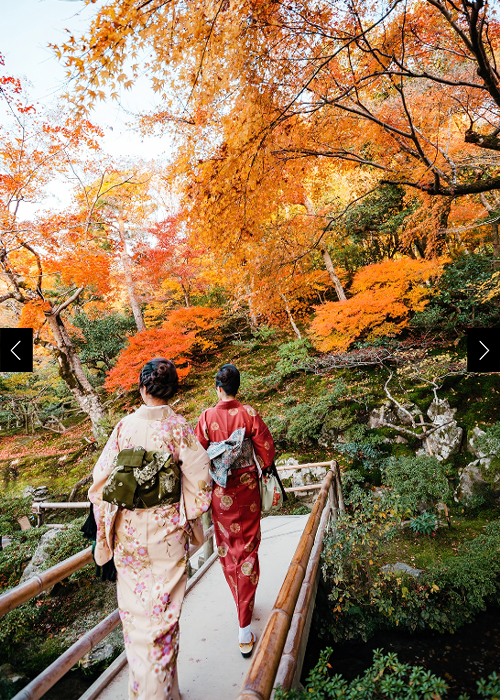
point(364, 599)
point(387, 679)
point(10, 510)
point(459, 299)
point(302, 424)
point(293, 357)
point(420, 481)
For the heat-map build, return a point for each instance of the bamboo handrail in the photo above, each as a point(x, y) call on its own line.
point(41, 582)
point(293, 649)
point(25, 591)
point(47, 505)
point(57, 669)
point(259, 680)
point(303, 466)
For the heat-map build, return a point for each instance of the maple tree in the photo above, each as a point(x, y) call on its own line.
point(173, 262)
point(410, 90)
point(383, 297)
point(50, 262)
point(184, 332)
point(123, 206)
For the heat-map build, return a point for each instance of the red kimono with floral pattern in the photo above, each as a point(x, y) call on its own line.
point(236, 508)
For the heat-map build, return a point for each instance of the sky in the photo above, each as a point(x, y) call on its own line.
point(26, 29)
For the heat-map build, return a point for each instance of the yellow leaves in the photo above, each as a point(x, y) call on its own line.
point(434, 588)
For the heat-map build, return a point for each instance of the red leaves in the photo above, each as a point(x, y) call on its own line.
point(176, 340)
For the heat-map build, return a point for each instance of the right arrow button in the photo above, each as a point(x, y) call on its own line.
point(486, 348)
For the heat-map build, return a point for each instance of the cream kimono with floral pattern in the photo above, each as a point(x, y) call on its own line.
point(150, 547)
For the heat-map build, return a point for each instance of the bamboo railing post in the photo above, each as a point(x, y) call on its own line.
point(340, 495)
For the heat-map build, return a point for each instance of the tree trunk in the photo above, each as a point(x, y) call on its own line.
point(129, 282)
point(186, 295)
point(292, 322)
point(333, 275)
point(251, 309)
point(326, 257)
point(71, 371)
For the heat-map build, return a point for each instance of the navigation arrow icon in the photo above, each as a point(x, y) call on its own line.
point(486, 348)
point(12, 350)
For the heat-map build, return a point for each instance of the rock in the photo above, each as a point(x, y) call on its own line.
point(29, 492)
point(101, 652)
point(401, 567)
point(471, 478)
point(290, 463)
point(404, 418)
point(9, 673)
point(41, 493)
point(472, 442)
point(305, 477)
point(40, 556)
point(379, 416)
point(400, 440)
point(444, 441)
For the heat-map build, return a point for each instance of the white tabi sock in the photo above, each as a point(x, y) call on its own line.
point(245, 635)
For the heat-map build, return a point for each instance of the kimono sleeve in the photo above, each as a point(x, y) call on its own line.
point(201, 431)
point(263, 443)
point(196, 483)
point(103, 511)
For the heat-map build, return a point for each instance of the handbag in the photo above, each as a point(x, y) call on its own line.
point(142, 479)
point(272, 493)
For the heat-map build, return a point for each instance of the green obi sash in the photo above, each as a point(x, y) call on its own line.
point(143, 479)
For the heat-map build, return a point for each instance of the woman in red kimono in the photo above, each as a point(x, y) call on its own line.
point(240, 446)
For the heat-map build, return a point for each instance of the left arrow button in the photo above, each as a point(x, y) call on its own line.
point(12, 350)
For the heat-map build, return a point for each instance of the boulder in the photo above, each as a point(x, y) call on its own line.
point(305, 477)
point(404, 418)
point(290, 463)
point(384, 414)
point(401, 567)
point(39, 558)
point(444, 441)
point(40, 493)
point(29, 492)
point(472, 442)
point(471, 479)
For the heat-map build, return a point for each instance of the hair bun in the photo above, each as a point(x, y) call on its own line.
point(159, 378)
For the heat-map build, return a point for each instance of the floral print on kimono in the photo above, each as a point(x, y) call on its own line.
point(150, 548)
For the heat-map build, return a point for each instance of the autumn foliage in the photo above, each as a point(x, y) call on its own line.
point(384, 296)
point(184, 332)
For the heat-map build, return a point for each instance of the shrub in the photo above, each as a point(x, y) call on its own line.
point(420, 481)
point(12, 508)
point(387, 679)
point(424, 524)
point(460, 299)
point(363, 598)
point(293, 357)
point(302, 424)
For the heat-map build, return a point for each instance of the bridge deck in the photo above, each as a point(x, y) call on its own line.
point(210, 664)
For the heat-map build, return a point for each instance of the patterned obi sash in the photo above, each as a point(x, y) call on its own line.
point(229, 455)
point(143, 479)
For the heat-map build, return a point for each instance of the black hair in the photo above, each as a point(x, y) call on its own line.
point(228, 378)
point(159, 378)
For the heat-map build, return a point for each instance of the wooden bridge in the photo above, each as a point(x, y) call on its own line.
point(210, 664)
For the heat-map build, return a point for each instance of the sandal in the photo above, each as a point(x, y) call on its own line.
point(246, 649)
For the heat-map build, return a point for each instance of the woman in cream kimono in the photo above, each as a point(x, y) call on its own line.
point(150, 545)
